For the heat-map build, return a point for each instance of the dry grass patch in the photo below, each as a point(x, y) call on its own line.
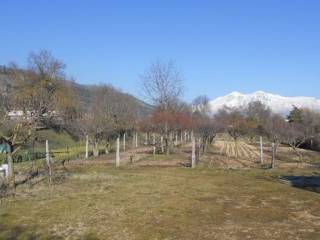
point(100, 202)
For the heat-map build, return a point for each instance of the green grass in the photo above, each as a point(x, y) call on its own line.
point(101, 202)
point(56, 139)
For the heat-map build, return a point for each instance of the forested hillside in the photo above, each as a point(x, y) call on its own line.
point(85, 93)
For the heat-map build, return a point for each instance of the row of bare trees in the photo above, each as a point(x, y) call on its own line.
point(171, 116)
point(48, 99)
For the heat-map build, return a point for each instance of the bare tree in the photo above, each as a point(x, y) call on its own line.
point(303, 124)
point(276, 128)
point(257, 115)
point(110, 114)
point(39, 93)
point(311, 123)
point(162, 85)
point(203, 123)
point(201, 104)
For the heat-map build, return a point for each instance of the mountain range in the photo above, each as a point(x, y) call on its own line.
point(278, 104)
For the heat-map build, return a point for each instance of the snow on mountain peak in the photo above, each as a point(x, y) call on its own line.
point(278, 104)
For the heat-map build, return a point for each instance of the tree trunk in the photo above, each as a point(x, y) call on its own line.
point(96, 149)
point(211, 141)
point(204, 145)
point(167, 146)
point(198, 149)
point(107, 147)
point(146, 139)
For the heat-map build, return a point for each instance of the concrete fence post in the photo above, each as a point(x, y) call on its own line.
point(11, 175)
point(193, 154)
point(136, 139)
point(124, 141)
point(87, 147)
point(118, 152)
point(154, 144)
point(261, 150)
point(273, 161)
point(48, 162)
point(161, 143)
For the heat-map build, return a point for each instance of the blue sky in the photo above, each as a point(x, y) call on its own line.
point(219, 46)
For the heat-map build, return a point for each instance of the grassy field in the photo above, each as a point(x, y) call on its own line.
point(94, 200)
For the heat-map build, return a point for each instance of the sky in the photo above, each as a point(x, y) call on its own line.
point(218, 46)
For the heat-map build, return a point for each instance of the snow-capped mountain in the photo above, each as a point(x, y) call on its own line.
point(278, 104)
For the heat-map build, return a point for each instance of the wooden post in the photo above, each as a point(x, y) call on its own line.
point(124, 141)
point(48, 159)
point(181, 139)
point(261, 150)
point(87, 146)
point(193, 154)
point(273, 161)
point(176, 139)
point(118, 152)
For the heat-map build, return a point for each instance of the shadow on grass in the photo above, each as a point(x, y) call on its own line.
point(311, 183)
point(21, 232)
point(17, 232)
